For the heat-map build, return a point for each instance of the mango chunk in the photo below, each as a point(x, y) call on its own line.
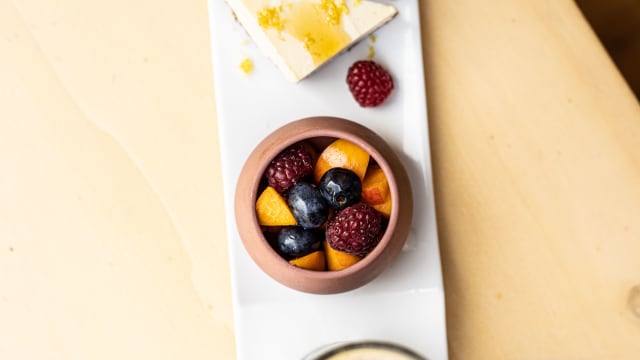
point(343, 154)
point(272, 209)
point(385, 207)
point(375, 187)
point(338, 260)
point(315, 261)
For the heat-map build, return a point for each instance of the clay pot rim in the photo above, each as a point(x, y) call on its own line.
point(258, 246)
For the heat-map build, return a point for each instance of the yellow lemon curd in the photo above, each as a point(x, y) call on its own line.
point(316, 24)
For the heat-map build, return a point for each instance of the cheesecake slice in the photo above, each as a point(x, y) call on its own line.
point(299, 36)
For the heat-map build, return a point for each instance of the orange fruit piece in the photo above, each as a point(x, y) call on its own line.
point(375, 187)
point(272, 209)
point(343, 154)
point(338, 260)
point(314, 261)
point(385, 207)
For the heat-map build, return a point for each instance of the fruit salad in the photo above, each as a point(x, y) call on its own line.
point(323, 210)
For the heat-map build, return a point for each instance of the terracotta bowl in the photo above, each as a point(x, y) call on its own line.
point(321, 131)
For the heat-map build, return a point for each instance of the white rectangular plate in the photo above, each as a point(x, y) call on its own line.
point(406, 303)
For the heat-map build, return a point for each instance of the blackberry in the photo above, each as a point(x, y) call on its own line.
point(292, 165)
point(355, 230)
point(369, 83)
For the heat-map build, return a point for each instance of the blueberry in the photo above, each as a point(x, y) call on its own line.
point(340, 188)
point(307, 205)
point(294, 241)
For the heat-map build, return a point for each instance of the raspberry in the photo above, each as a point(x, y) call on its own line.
point(355, 230)
point(369, 83)
point(290, 166)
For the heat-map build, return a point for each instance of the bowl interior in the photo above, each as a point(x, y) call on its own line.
point(319, 143)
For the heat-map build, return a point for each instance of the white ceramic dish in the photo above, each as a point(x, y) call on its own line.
point(406, 303)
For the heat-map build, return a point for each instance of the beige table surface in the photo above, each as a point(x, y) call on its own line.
point(112, 239)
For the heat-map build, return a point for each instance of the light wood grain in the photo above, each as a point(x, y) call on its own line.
point(537, 176)
point(112, 239)
point(112, 236)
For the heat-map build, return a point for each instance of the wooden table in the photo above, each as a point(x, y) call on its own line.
point(112, 239)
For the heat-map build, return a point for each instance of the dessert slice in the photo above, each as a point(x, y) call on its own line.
point(299, 36)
